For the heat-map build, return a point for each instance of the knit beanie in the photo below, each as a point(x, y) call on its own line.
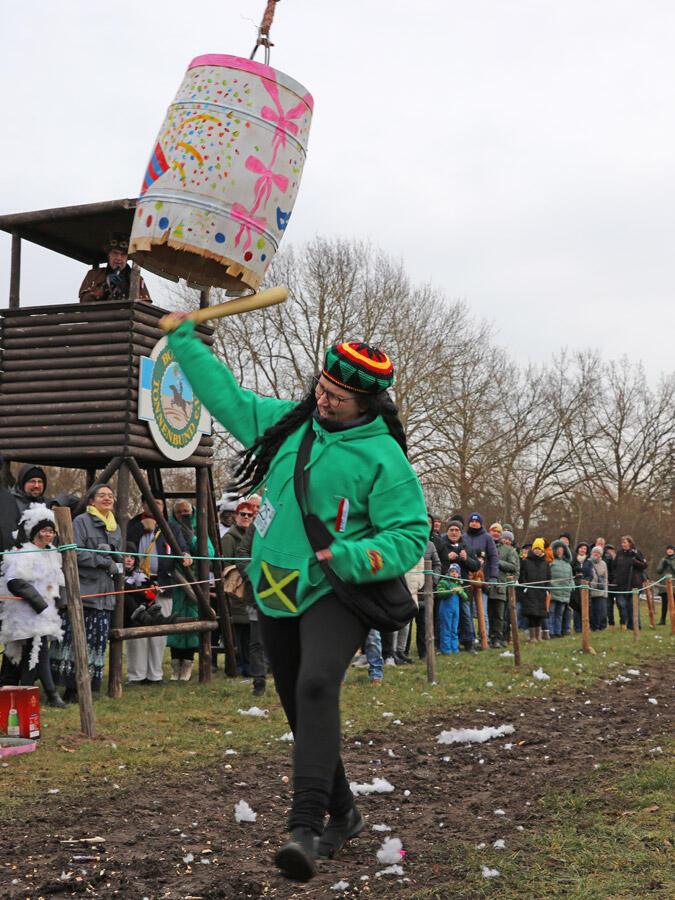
point(475, 517)
point(508, 534)
point(455, 524)
point(598, 548)
point(508, 527)
point(538, 544)
point(496, 527)
point(358, 367)
point(32, 472)
point(454, 568)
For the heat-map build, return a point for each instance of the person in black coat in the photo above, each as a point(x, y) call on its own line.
point(535, 570)
point(629, 567)
point(453, 549)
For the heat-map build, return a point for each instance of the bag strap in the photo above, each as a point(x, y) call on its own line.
point(318, 535)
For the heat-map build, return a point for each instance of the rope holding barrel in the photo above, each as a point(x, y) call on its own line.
point(264, 31)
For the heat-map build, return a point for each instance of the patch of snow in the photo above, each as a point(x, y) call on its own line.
point(481, 846)
point(189, 858)
point(473, 735)
point(500, 844)
point(508, 746)
point(391, 851)
point(230, 753)
point(244, 813)
point(340, 886)
point(500, 812)
point(381, 828)
point(651, 700)
point(489, 873)
point(53, 791)
point(390, 870)
point(540, 675)
point(488, 684)
point(377, 786)
point(254, 711)
point(506, 653)
point(633, 671)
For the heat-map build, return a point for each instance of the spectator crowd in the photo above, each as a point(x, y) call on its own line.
point(469, 564)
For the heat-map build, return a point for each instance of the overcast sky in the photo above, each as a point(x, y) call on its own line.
point(517, 153)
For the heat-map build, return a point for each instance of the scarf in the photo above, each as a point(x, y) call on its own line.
point(108, 519)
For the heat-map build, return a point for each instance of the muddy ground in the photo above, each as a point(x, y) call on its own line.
point(151, 829)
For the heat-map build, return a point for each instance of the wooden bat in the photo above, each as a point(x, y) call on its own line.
point(270, 297)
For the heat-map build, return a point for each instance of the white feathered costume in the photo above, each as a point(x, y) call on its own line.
point(42, 569)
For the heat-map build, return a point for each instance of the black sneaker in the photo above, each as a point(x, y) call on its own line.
point(296, 858)
point(258, 690)
point(338, 831)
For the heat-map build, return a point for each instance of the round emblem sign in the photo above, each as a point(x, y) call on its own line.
point(176, 417)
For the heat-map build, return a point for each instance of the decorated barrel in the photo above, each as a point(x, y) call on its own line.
point(224, 174)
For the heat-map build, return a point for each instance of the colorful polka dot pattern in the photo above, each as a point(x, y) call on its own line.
point(225, 170)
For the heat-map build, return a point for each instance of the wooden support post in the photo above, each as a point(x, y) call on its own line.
point(204, 298)
point(202, 505)
point(671, 602)
point(429, 640)
point(115, 664)
point(204, 611)
point(636, 615)
point(513, 613)
point(64, 526)
point(584, 617)
point(134, 282)
point(223, 607)
point(650, 604)
point(480, 612)
point(15, 273)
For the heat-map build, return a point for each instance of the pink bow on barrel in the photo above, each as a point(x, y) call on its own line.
point(283, 119)
point(263, 186)
point(240, 214)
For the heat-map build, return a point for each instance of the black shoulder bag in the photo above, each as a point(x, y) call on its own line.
point(385, 605)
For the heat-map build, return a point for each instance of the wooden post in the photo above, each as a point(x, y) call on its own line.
point(205, 611)
point(513, 613)
point(636, 615)
point(584, 617)
point(15, 272)
point(480, 612)
point(64, 526)
point(650, 604)
point(115, 664)
point(429, 640)
point(671, 602)
point(222, 606)
point(202, 505)
point(204, 298)
point(134, 282)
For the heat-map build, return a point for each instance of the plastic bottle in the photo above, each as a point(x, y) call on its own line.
point(12, 719)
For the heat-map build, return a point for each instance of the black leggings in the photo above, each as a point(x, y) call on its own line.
point(42, 671)
point(309, 655)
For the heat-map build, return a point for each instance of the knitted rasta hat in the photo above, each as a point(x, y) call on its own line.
point(358, 367)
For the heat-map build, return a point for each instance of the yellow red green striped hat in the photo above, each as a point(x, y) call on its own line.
point(358, 367)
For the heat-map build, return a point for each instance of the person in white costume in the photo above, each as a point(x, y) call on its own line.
point(31, 580)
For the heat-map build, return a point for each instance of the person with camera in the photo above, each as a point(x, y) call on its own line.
point(335, 462)
point(113, 282)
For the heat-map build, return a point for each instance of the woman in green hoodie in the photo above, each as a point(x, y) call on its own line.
point(366, 493)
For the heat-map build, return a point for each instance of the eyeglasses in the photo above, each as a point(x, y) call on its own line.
point(115, 244)
point(320, 391)
point(246, 515)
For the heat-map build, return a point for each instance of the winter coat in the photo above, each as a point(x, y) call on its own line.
point(535, 570)
point(562, 574)
point(8, 519)
point(509, 565)
point(229, 543)
point(95, 281)
point(599, 578)
point(14, 503)
point(666, 566)
point(243, 554)
point(445, 548)
point(182, 605)
point(483, 548)
point(414, 578)
point(386, 530)
point(166, 558)
point(628, 568)
point(95, 569)
point(40, 570)
point(137, 585)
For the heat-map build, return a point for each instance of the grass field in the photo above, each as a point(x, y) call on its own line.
point(617, 830)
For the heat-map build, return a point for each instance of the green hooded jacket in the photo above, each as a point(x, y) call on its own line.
point(386, 529)
point(562, 575)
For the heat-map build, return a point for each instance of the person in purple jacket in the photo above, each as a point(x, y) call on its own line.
point(483, 546)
